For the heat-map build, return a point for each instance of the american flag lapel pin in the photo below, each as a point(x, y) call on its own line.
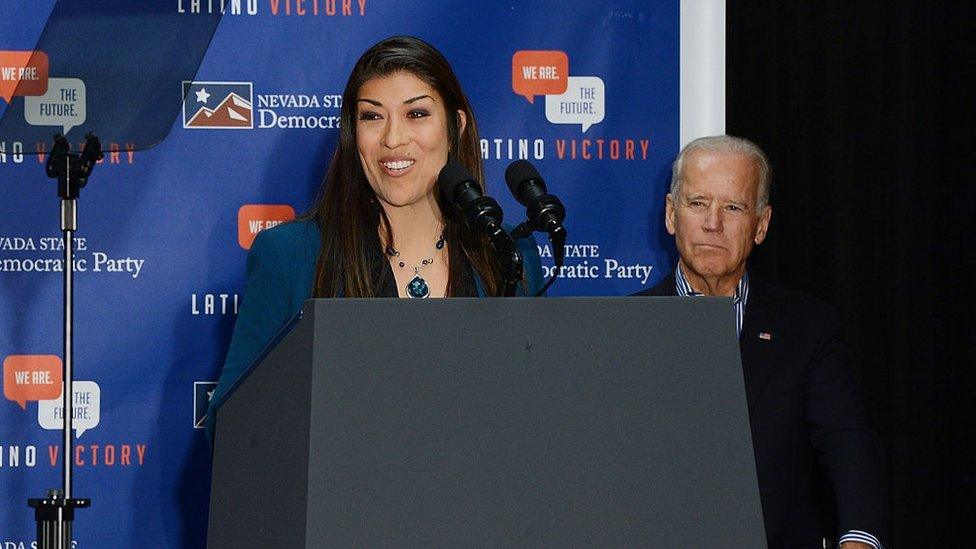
point(766, 336)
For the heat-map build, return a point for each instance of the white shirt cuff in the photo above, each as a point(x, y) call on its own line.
point(861, 536)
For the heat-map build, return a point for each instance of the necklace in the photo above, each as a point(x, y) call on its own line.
point(417, 287)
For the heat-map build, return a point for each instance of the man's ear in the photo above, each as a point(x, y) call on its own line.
point(763, 225)
point(669, 214)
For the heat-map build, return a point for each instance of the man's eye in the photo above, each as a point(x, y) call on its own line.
point(733, 208)
point(696, 204)
point(369, 115)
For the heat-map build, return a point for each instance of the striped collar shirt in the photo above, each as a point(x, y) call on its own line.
point(739, 298)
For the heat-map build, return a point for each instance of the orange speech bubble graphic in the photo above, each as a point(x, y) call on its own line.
point(254, 218)
point(23, 73)
point(31, 377)
point(538, 72)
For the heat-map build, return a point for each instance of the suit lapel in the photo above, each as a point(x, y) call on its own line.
point(758, 340)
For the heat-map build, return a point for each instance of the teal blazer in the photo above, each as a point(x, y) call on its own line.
point(280, 267)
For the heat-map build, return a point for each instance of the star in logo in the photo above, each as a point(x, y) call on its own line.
point(217, 105)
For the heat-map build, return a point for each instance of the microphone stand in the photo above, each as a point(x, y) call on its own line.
point(557, 237)
point(509, 258)
point(56, 512)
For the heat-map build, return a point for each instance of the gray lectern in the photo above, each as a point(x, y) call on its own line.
point(491, 423)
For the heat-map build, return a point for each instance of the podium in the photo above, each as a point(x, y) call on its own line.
point(491, 423)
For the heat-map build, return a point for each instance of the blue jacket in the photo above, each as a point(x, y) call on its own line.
point(280, 268)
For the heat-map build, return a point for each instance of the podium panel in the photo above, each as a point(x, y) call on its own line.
point(491, 422)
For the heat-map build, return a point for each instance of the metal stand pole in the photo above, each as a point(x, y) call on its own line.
point(55, 513)
point(69, 223)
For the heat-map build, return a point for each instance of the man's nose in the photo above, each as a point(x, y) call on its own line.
point(713, 220)
point(395, 134)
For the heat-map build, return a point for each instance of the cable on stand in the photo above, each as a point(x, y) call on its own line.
point(509, 259)
point(557, 237)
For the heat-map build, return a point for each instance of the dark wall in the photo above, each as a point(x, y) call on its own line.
point(863, 110)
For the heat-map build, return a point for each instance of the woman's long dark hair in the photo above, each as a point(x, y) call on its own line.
point(347, 211)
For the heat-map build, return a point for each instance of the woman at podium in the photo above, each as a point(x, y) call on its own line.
point(379, 227)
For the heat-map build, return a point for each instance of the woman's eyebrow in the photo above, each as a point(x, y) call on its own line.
point(406, 102)
point(418, 98)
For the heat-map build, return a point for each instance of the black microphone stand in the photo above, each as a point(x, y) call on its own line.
point(56, 512)
point(557, 237)
point(509, 258)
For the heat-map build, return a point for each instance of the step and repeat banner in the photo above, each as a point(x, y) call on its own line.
point(587, 91)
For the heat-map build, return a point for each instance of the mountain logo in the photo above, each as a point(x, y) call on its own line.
point(217, 105)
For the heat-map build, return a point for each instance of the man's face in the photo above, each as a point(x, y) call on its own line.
point(714, 218)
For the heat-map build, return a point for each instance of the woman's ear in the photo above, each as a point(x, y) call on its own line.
point(462, 123)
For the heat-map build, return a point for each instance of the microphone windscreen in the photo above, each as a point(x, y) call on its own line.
point(519, 172)
point(453, 174)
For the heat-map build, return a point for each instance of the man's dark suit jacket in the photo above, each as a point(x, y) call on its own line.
point(805, 410)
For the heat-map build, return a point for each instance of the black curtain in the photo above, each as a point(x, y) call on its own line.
point(866, 115)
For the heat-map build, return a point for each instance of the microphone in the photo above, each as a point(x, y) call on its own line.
point(545, 211)
point(482, 213)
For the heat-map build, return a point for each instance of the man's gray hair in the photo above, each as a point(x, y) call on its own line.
point(732, 145)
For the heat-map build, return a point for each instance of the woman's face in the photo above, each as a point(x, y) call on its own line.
point(401, 136)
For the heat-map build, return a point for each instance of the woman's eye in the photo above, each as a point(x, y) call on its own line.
point(418, 113)
point(369, 115)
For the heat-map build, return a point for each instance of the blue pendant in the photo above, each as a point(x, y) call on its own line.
point(418, 288)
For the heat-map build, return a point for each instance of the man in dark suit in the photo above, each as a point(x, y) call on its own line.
point(804, 409)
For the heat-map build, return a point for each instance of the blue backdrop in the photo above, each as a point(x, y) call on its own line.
point(163, 231)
